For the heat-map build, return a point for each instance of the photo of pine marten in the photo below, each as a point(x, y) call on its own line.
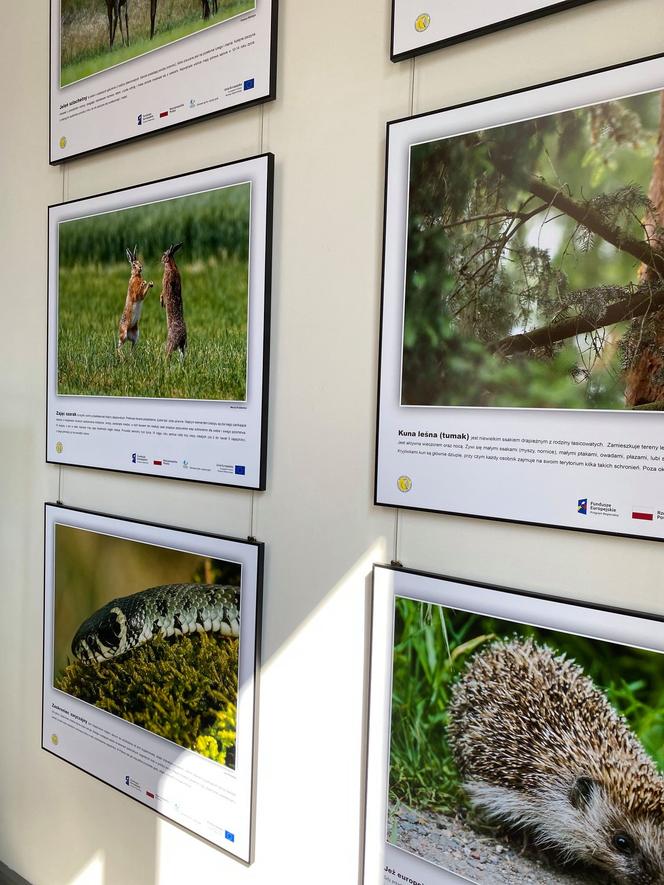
point(535, 264)
point(522, 753)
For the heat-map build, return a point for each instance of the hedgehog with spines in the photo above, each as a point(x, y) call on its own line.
point(540, 749)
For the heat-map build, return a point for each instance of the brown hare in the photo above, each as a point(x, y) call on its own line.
point(136, 293)
point(171, 299)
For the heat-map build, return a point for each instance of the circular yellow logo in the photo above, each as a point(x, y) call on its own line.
point(59, 448)
point(422, 22)
point(63, 142)
point(405, 483)
point(54, 740)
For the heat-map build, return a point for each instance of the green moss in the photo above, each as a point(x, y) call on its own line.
point(182, 689)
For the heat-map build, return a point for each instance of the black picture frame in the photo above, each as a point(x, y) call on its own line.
point(269, 159)
point(382, 855)
point(250, 543)
point(481, 31)
point(403, 502)
point(268, 97)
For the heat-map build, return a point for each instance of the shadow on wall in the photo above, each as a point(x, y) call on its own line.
point(84, 818)
point(104, 820)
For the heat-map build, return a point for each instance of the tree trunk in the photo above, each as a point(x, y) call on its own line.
point(654, 220)
point(645, 373)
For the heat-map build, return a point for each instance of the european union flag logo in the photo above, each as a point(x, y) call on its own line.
point(240, 470)
point(249, 84)
point(582, 506)
point(229, 836)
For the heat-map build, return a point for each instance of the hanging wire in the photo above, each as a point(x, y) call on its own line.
point(397, 527)
point(397, 514)
point(65, 195)
point(252, 517)
point(261, 148)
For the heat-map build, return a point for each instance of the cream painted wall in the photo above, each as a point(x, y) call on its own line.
point(337, 88)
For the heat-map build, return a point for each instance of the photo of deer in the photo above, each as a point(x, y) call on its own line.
point(98, 34)
point(122, 330)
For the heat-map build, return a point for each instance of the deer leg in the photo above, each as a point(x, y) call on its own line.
point(116, 17)
point(110, 25)
point(127, 20)
point(153, 14)
point(122, 34)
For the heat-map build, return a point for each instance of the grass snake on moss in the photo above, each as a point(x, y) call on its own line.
point(169, 610)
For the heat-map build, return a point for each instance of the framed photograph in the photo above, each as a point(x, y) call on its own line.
point(121, 70)
point(521, 356)
point(485, 766)
point(418, 27)
point(158, 327)
point(151, 647)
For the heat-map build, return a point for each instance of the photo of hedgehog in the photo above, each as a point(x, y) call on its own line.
point(524, 754)
point(150, 635)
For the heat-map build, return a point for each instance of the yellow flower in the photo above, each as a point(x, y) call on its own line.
point(207, 746)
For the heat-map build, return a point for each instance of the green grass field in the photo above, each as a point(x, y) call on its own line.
point(85, 39)
point(91, 300)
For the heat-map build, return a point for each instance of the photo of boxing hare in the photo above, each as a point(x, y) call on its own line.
point(99, 34)
point(136, 293)
point(117, 338)
point(523, 754)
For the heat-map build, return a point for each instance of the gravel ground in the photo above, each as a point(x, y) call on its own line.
point(452, 844)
